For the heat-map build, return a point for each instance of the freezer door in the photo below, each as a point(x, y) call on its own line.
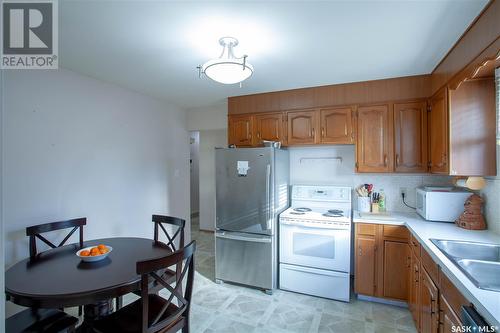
point(245, 258)
point(245, 190)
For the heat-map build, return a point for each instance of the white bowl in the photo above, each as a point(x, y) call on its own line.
point(93, 258)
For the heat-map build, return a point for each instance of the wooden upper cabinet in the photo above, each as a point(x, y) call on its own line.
point(240, 130)
point(472, 128)
point(438, 133)
point(373, 148)
point(337, 125)
point(410, 137)
point(301, 127)
point(269, 127)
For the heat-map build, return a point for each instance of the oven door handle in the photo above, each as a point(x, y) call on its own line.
point(311, 270)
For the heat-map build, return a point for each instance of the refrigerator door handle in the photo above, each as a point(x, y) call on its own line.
point(242, 238)
point(268, 196)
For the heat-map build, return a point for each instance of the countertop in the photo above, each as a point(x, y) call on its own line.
point(486, 302)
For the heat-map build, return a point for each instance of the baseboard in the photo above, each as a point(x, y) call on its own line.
point(382, 300)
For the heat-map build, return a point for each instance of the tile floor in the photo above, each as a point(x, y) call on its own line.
point(229, 308)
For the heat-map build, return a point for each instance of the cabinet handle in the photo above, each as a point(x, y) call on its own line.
point(258, 135)
point(322, 132)
point(385, 159)
point(408, 262)
point(443, 159)
point(359, 251)
point(352, 135)
point(397, 159)
point(313, 133)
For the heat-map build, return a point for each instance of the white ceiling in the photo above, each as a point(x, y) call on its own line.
point(154, 46)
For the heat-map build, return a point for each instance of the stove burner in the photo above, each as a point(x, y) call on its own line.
point(297, 213)
point(302, 209)
point(334, 213)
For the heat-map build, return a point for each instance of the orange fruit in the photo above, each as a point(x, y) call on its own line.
point(102, 247)
point(95, 251)
point(103, 250)
point(85, 253)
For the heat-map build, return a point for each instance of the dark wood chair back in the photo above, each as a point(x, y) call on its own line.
point(36, 231)
point(177, 223)
point(148, 269)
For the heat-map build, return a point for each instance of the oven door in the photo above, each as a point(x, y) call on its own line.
point(315, 247)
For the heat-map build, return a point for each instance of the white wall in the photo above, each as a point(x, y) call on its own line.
point(316, 169)
point(209, 140)
point(194, 151)
point(207, 118)
point(74, 146)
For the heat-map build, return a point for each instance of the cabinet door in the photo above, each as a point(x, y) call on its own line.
point(365, 266)
point(374, 139)
point(429, 311)
point(438, 133)
point(240, 130)
point(336, 125)
point(301, 127)
point(415, 290)
point(448, 321)
point(410, 129)
point(396, 269)
point(269, 127)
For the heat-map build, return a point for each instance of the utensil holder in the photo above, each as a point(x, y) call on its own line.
point(364, 204)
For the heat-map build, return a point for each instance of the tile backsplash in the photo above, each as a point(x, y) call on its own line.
point(334, 165)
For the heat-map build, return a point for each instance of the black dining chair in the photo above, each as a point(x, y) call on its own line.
point(41, 320)
point(160, 221)
point(153, 313)
point(36, 231)
point(178, 232)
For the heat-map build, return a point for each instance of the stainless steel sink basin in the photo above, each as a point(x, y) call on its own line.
point(480, 262)
point(484, 274)
point(469, 250)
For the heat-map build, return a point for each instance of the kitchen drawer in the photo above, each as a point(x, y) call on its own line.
point(396, 231)
point(367, 229)
point(414, 245)
point(430, 266)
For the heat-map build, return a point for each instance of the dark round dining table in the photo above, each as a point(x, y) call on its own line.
point(58, 278)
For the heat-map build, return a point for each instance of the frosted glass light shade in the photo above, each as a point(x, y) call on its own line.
point(227, 71)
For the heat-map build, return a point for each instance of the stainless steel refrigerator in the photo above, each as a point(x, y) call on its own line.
point(252, 186)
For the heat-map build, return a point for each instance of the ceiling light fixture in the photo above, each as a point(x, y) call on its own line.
point(227, 69)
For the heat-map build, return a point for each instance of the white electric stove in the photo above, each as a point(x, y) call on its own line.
point(315, 242)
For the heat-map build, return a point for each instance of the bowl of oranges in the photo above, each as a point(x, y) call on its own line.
point(94, 253)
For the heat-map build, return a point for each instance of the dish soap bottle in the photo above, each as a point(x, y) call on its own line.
point(381, 201)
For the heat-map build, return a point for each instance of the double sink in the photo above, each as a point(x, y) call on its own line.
point(480, 262)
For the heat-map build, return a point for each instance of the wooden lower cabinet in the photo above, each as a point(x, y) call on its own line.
point(448, 318)
point(396, 269)
point(381, 262)
point(429, 310)
point(390, 263)
point(365, 282)
point(414, 295)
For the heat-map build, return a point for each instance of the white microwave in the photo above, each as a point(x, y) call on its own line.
point(442, 204)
